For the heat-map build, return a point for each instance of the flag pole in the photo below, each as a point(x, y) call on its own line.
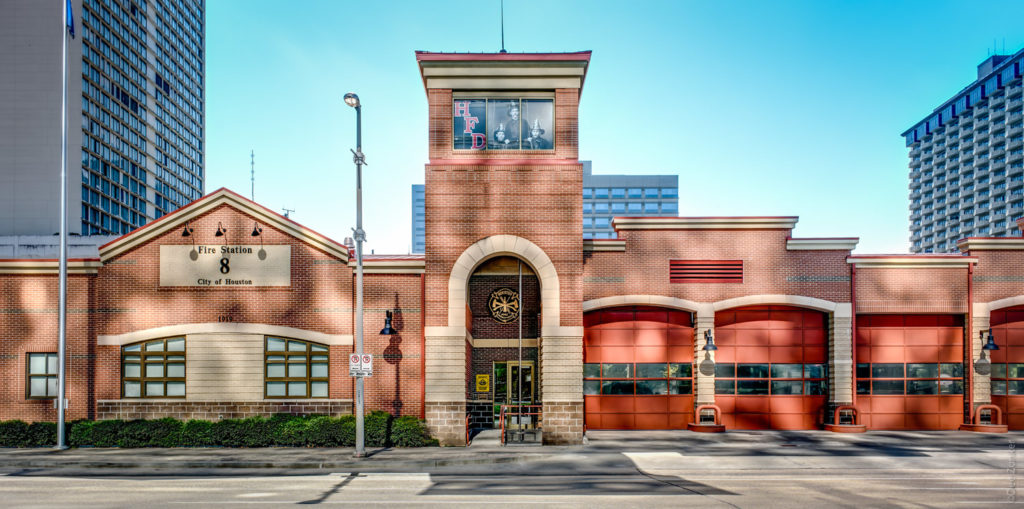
point(63, 284)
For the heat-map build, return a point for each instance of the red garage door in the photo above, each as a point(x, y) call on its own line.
point(771, 367)
point(1008, 364)
point(910, 371)
point(638, 368)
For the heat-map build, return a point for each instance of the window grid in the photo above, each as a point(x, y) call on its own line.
point(639, 379)
point(154, 369)
point(41, 371)
point(910, 379)
point(1007, 379)
point(749, 379)
point(295, 369)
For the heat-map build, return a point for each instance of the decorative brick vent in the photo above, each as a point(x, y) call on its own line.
point(705, 271)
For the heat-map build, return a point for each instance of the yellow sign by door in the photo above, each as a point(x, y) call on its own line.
point(483, 383)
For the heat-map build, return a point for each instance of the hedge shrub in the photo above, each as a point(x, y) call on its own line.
point(279, 430)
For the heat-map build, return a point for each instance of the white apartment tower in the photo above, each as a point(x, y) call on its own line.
point(967, 161)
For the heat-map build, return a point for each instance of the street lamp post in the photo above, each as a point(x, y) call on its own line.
point(352, 100)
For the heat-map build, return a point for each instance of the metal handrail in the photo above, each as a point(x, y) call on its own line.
point(504, 408)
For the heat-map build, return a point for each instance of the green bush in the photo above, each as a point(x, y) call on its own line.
point(196, 433)
point(13, 434)
point(377, 426)
point(408, 431)
point(42, 434)
point(106, 433)
point(80, 433)
point(331, 431)
point(280, 430)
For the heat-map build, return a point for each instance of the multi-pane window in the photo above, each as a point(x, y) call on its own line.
point(153, 369)
point(638, 379)
point(42, 375)
point(773, 378)
point(1007, 379)
point(911, 378)
point(295, 369)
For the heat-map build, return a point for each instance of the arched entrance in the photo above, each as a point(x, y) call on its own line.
point(771, 367)
point(637, 368)
point(1008, 364)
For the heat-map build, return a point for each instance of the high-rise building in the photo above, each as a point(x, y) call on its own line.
point(608, 196)
point(419, 218)
point(967, 161)
point(135, 113)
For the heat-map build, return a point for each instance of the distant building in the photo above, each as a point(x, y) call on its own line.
point(135, 104)
point(419, 219)
point(607, 196)
point(604, 197)
point(967, 161)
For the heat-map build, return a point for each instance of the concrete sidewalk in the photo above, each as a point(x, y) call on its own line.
point(734, 449)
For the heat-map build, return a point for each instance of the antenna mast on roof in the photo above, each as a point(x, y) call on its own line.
point(503, 26)
point(252, 175)
point(287, 211)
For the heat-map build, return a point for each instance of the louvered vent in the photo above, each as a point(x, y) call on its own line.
point(705, 271)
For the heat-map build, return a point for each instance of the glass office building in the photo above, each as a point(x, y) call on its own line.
point(136, 103)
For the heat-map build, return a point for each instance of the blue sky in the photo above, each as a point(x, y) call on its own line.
point(761, 108)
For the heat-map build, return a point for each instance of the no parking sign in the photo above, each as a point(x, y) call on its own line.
point(360, 365)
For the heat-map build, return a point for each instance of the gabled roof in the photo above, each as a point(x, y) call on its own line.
point(209, 202)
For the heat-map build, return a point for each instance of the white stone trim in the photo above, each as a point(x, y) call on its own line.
point(970, 244)
point(498, 245)
point(840, 244)
point(911, 262)
point(48, 266)
point(603, 245)
point(788, 300)
point(502, 343)
point(985, 308)
point(224, 328)
point(704, 223)
point(648, 300)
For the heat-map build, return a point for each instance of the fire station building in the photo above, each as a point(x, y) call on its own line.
point(225, 309)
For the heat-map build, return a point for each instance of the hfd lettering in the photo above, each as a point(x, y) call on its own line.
point(462, 110)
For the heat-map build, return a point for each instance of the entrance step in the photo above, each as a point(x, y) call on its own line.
point(485, 438)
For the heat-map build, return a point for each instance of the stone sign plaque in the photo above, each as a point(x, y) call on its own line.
point(225, 265)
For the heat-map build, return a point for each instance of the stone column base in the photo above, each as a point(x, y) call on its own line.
point(447, 422)
point(563, 422)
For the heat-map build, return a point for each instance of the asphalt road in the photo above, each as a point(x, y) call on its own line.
point(740, 469)
point(679, 488)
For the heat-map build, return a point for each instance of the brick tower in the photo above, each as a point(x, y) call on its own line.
point(504, 184)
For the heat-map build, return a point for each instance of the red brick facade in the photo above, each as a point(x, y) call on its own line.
point(481, 205)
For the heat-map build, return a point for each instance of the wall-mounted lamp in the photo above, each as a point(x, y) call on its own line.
point(221, 230)
point(257, 231)
point(709, 342)
point(387, 330)
point(187, 232)
point(991, 344)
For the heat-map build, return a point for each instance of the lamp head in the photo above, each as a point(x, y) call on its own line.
point(387, 330)
point(352, 99)
point(709, 344)
point(256, 230)
point(221, 230)
point(186, 232)
point(991, 344)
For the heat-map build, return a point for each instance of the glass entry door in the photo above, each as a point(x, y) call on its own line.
point(506, 376)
